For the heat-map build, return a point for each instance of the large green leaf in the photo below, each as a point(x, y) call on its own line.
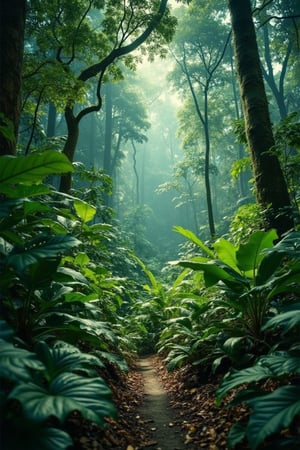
point(250, 255)
point(287, 283)
point(286, 321)
point(66, 393)
point(70, 323)
point(213, 273)
point(32, 168)
point(236, 434)
point(281, 363)
point(290, 244)
point(42, 246)
point(84, 210)
point(268, 267)
point(272, 413)
point(64, 357)
point(15, 362)
point(244, 376)
point(226, 252)
point(193, 238)
point(22, 190)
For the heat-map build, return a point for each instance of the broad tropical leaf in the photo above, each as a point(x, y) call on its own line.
point(15, 362)
point(64, 357)
point(66, 393)
point(236, 435)
point(248, 375)
point(272, 413)
point(22, 190)
point(286, 321)
point(290, 244)
point(250, 255)
point(84, 210)
point(226, 252)
point(43, 246)
point(32, 168)
point(281, 363)
point(193, 238)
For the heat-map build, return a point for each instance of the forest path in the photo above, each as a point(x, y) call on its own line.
point(157, 411)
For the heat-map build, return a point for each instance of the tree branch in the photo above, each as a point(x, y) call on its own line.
point(100, 67)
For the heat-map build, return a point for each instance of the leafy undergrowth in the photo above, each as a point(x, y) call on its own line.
point(204, 425)
point(129, 431)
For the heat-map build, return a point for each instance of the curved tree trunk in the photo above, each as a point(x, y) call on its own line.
point(99, 69)
point(69, 147)
point(12, 24)
point(278, 91)
point(271, 189)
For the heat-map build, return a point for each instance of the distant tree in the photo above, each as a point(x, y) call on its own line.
point(125, 126)
point(200, 45)
point(280, 47)
point(12, 23)
point(88, 38)
point(271, 189)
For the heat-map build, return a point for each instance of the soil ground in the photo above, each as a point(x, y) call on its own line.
point(156, 410)
point(159, 410)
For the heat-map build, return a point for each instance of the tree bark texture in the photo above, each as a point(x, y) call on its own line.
point(12, 24)
point(271, 188)
point(69, 147)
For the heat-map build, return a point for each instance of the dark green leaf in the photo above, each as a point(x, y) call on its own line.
point(66, 393)
point(248, 375)
point(32, 168)
point(286, 320)
point(236, 434)
point(272, 413)
point(15, 362)
point(43, 246)
point(250, 255)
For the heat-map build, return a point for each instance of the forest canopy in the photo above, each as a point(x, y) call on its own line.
point(149, 202)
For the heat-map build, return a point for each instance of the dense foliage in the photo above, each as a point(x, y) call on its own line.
point(83, 283)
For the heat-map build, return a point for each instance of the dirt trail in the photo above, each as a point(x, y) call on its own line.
point(157, 411)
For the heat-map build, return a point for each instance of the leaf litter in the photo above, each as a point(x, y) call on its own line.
point(185, 418)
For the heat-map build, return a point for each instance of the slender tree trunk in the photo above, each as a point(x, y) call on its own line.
point(278, 91)
point(193, 206)
point(12, 24)
point(51, 124)
point(209, 203)
point(271, 189)
point(69, 147)
point(107, 161)
point(137, 179)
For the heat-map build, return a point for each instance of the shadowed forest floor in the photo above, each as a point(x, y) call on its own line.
point(159, 410)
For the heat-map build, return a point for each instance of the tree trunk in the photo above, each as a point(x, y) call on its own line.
point(107, 161)
point(12, 24)
point(99, 69)
point(271, 189)
point(51, 123)
point(211, 221)
point(70, 147)
point(269, 75)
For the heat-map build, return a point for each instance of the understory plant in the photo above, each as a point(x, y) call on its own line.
point(56, 295)
point(41, 387)
point(252, 320)
point(275, 407)
point(226, 294)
